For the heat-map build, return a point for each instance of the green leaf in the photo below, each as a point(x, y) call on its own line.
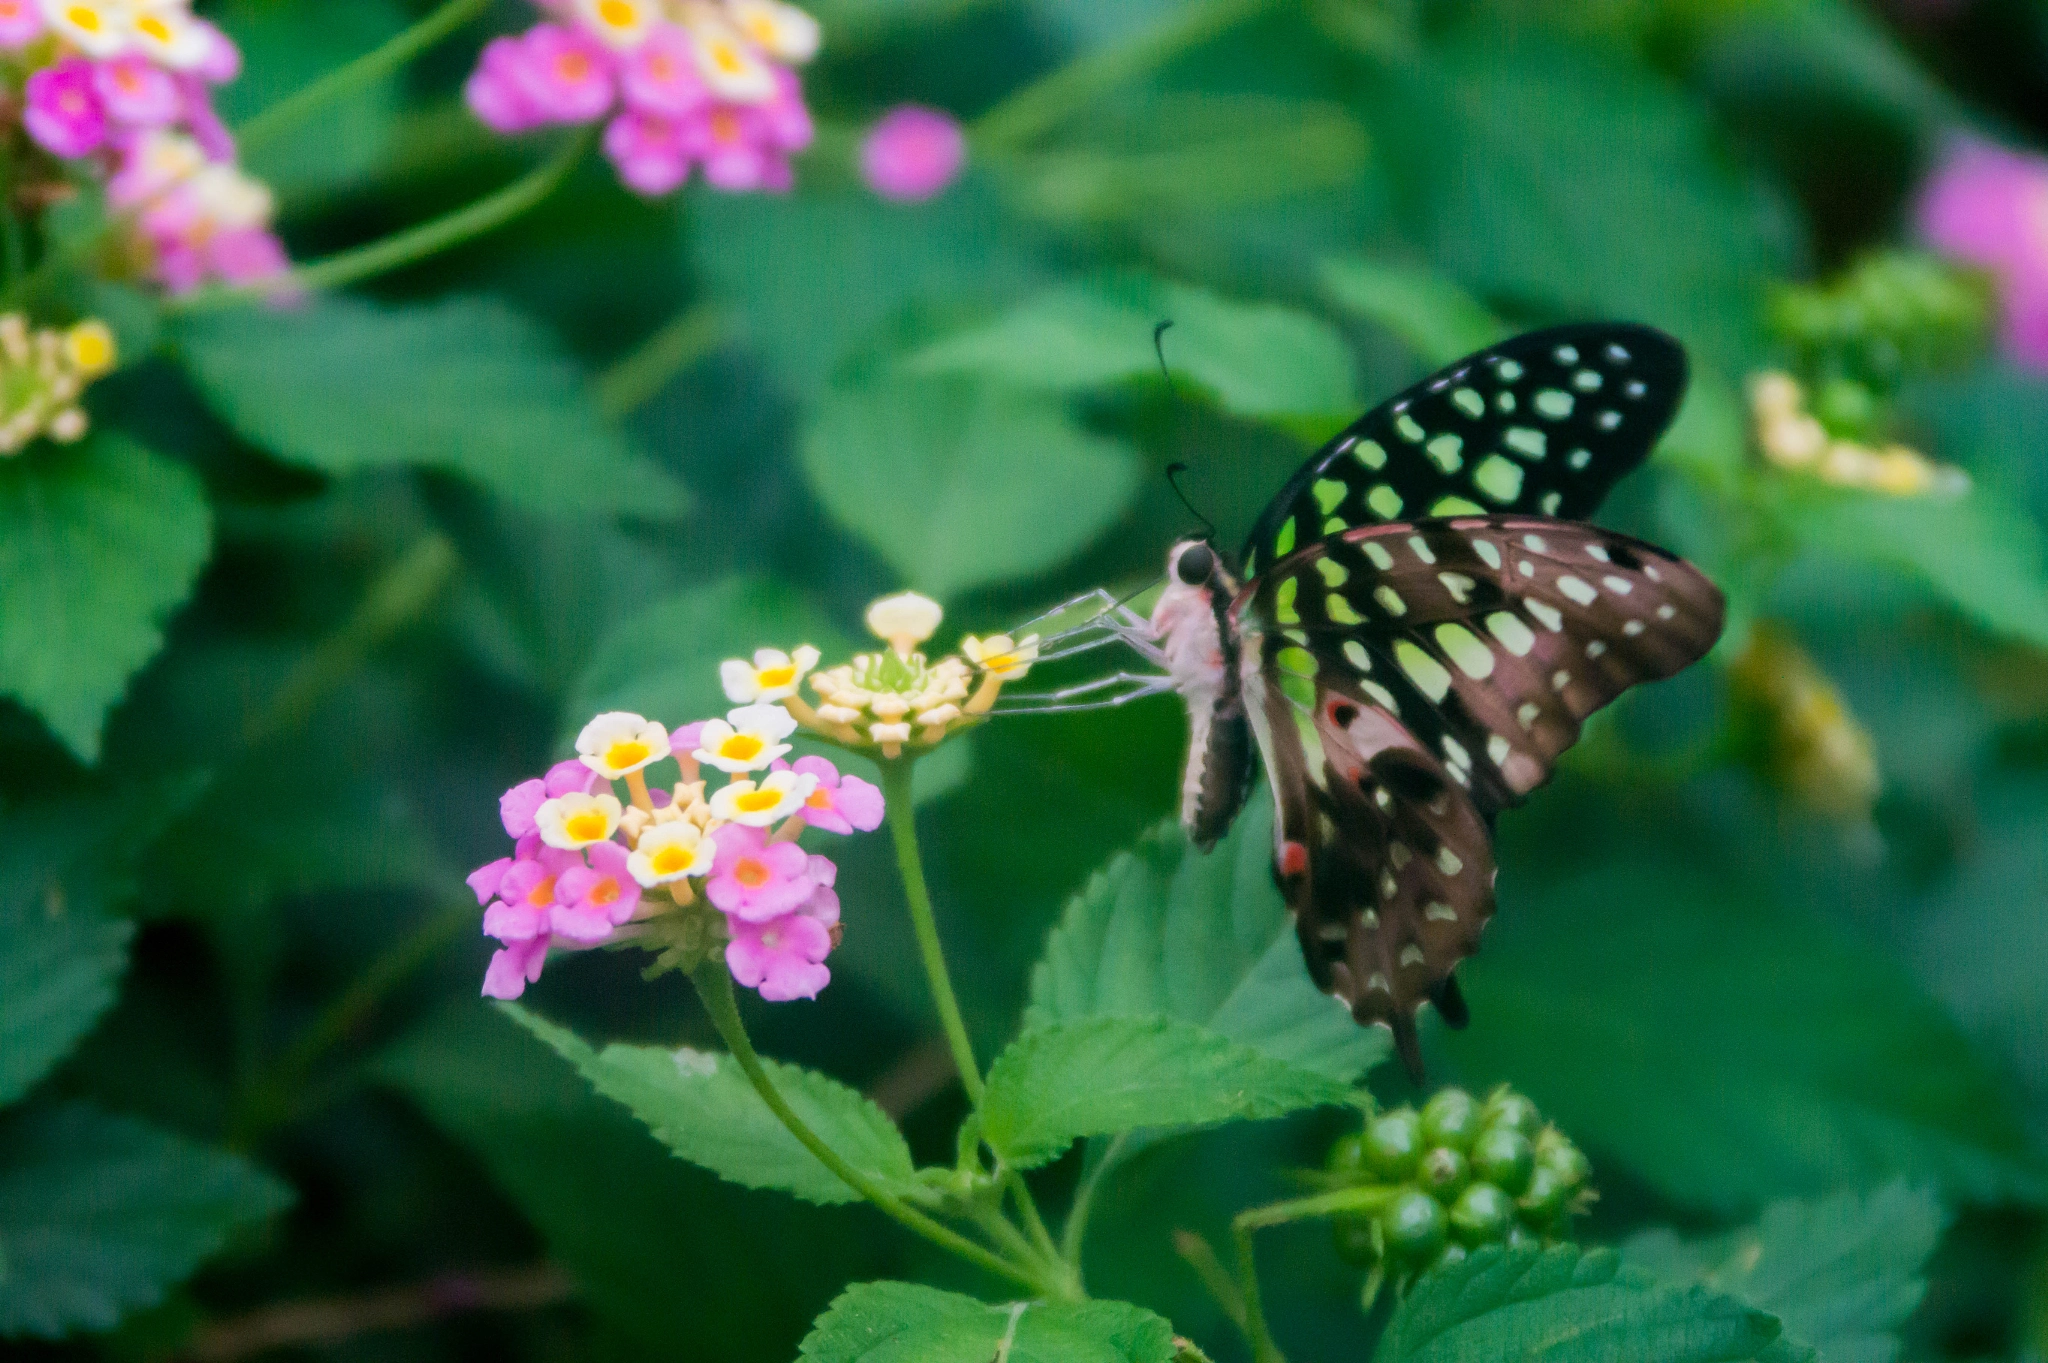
point(1980, 551)
point(1730, 1049)
point(818, 276)
point(59, 966)
point(1164, 930)
point(1435, 318)
point(462, 384)
point(1061, 1082)
point(683, 1266)
point(959, 484)
point(101, 1214)
point(1841, 1274)
point(98, 542)
point(1180, 154)
point(1258, 359)
point(1564, 1305)
point(909, 1323)
point(1543, 173)
point(701, 1106)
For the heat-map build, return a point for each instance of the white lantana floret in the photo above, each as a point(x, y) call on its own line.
point(577, 820)
point(669, 852)
point(779, 795)
point(773, 675)
point(747, 739)
point(785, 32)
point(622, 24)
point(905, 620)
point(98, 28)
point(620, 741)
point(1001, 656)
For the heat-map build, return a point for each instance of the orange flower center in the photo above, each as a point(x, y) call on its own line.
point(573, 67)
point(752, 873)
point(820, 798)
point(606, 891)
point(543, 892)
point(725, 125)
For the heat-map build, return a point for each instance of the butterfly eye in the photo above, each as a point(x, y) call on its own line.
point(1195, 565)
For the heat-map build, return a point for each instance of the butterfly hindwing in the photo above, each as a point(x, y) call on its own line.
point(1414, 680)
point(1544, 423)
point(1386, 862)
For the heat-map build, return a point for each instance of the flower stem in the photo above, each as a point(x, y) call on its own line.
point(896, 792)
point(1075, 1233)
point(714, 986)
point(410, 246)
point(1367, 1199)
point(1045, 103)
point(688, 337)
point(365, 70)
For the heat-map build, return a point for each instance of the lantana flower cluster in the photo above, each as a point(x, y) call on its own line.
point(588, 869)
point(682, 85)
point(896, 698)
point(42, 375)
point(1792, 437)
point(127, 84)
point(1797, 731)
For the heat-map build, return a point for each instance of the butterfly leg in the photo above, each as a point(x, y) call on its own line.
point(1085, 696)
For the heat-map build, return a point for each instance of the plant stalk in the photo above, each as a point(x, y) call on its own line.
point(714, 986)
point(902, 819)
point(365, 70)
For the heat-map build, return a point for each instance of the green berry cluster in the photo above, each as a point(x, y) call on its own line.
point(1885, 318)
point(1461, 1173)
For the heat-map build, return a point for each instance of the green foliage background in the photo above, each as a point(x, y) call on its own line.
point(326, 580)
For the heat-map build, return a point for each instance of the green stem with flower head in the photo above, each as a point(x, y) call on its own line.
point(714, 986)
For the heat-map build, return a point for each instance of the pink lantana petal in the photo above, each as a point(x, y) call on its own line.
point(912, 153)
point(860, 803)
point(571, 778)
point(513, 967)
point(515, 921)
point(580, 922)
point(516, 806)
point(486, 879)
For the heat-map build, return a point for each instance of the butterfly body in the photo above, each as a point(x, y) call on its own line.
point(1405, 680)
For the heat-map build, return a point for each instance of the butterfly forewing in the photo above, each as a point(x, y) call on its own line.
point(1545, 423)
point(1415, 680)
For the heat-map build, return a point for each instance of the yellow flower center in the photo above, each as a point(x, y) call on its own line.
point(618, 13)
point(606, 891)
point(754, 801)
point(752, 873)
point(91, 349)
point(543, 892)
point(741, 747)
point(726, 58)
point(153, 27)
point(671, 859)
point(771, 677)
point(588, 826)
point(763, 29)
point(84, 17)
point(627, 752)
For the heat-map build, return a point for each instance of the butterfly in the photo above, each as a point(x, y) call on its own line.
point(1417, 626)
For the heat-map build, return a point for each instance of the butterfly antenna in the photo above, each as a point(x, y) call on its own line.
point(1177, 467)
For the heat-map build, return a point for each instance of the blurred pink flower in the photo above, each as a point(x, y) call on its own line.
point(564, 74)
point(63, 113)
point(21, 23)
point(135, 91)
point(783, 957)
point(222, 60)
point(652, 159)
point(660, 76)
point(492, 93)
point(515, 966)
point(754, 879)
point(1989, 206)
point(912, 153)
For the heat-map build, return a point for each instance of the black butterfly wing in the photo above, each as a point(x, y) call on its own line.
point(1414, 680)
point(1544, 423)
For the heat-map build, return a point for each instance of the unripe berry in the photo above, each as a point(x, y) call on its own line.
point(1481, 1215)
point(1453, 1254)
point(1393, 1144)
point(1503, 1157)
point(1451, 1118)
point(1443, 1174)
point(1505, 1107)
point(1357, 1239)
point(1545, 1197)
point(1519, 1235)
point(1415, 1227)
point(1570, 1165)
point(1347, 1157)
